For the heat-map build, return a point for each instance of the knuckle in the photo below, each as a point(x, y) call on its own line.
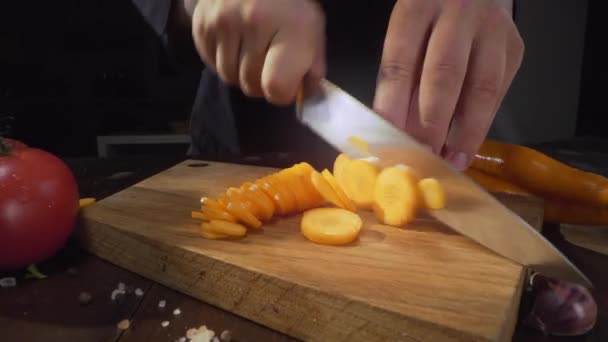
point(416, 8)
point(445, 74)
point(393, 71)
point(485, 88)
point(431, 122)
point(309, 16)
point(254, 15)
point(221, 20)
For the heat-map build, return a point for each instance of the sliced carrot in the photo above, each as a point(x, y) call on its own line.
point(238, 210)
point(207, 233)
point(286, 194)
point(314, 197)
point(339, 164)
point(226, 228)
point(432, 192)
point(395, 196)
point(254, 193)
point(293, 183)
point(325, 189)
point(360, 144)
point(237, 195)
point(303, 169)
point(359, 178)
point(218, 214)
point(87, 201)
point(348, 204)
point(330, 226)
point(209, 202)
point(275, 195)
point(199, 215)
point(306, 194)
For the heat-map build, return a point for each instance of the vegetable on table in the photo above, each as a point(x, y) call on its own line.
point(39, 203)
point(555, 210)
point(540, 174)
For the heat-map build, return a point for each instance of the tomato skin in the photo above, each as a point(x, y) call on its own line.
point(38, 206)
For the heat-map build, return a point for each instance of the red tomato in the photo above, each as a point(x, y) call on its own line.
point(38, 204)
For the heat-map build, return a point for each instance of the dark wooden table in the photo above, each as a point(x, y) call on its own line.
point(50, 310)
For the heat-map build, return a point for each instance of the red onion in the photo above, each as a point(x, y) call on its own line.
point(561, 308)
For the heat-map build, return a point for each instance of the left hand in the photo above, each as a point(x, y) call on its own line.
point(443, 61)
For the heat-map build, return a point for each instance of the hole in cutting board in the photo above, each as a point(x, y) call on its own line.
point(198, 165)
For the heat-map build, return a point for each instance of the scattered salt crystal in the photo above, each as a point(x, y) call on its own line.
point(226, 336)
point(122, 287)
point(191, 332)
point(139, 292)
point(8, 282)
point(162, 303)
point(116, 293)
point(177, 312)
point(202, 334)
point(165, 324)
point(124, 324)
point(85, 297)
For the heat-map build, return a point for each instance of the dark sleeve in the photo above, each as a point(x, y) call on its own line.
point(156, 13)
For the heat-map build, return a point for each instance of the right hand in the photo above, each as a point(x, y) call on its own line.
point(265, 47)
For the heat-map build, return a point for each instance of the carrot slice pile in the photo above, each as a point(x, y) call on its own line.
point(393, 193)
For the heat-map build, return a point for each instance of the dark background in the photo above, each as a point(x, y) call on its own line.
point(73, 70)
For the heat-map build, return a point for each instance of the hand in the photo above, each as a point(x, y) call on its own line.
point(265, 47)
point(443, 61)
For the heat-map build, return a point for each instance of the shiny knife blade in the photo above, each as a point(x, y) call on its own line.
point(335, 116)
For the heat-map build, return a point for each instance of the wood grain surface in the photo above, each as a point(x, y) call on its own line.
point(423, 282)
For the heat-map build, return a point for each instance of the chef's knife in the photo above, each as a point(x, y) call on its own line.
point(335, 116)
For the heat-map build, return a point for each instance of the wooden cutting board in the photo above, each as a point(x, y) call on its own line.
point(420, 283)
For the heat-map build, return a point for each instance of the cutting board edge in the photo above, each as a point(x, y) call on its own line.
point(88, 234)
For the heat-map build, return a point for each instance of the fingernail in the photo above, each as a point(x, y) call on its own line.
point(459, 160)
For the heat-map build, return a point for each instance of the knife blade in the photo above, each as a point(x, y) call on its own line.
point(335, 115)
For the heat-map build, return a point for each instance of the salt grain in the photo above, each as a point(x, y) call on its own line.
point(177, 312)
point(122, 287)
point(139, 292)
point(8, 282)
point(85, 297)
point(226, 336)
point(124, 324)
point(116, 293)
point(162, 303)
point(165, 324)
point(202, 334)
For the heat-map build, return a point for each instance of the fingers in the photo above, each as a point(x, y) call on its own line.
point(256, 40)
point(480, 94)
point(443, 74)
point(227, 53)
point(403, 51)
point(203, 36)
point(285, 66)
point(297, 50)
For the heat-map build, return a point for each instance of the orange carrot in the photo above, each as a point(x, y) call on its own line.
point(493, 183)
point(540, 173)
